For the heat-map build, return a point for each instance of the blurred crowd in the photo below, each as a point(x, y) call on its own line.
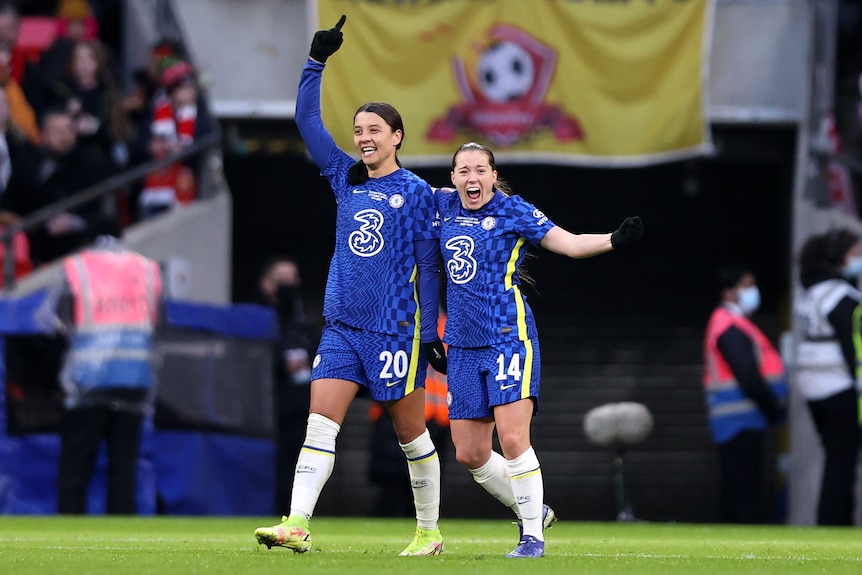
point(70, 117)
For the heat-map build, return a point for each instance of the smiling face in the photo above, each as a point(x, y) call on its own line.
point(474, 177)
point(376, 142)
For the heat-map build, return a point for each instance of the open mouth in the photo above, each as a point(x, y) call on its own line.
point(473, 192)
point(368, 150)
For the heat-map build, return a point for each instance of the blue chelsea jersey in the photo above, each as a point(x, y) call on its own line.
point(372, 276)
point(482, 250)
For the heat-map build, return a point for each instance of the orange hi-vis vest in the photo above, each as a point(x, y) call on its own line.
point(730, 410)
point(115, 305)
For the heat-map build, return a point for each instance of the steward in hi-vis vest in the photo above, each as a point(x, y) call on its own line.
point(115, 297)
point(109, 312)
point(828, 356)
point(751, 399)
point(745, 387)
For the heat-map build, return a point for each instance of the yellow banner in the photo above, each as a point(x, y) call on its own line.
point(601, 82)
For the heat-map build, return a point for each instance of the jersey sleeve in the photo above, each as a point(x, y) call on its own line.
point(426, 216)
point(529, 221)
point(317, 139)
point(332, 161)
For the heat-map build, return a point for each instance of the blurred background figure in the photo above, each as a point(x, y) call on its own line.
point(146, 81)
point(828, 360)
point(89, 91)
point(745, 385)
point(55, 170)
point(280, 288)
point(22, 116)
point(108, 312)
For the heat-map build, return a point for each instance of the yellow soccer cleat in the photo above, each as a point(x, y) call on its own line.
point(426, 542)
point(292, 532)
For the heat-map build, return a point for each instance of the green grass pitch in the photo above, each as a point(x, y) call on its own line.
point(96, 545)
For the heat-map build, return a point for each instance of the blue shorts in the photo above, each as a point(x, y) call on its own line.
point(387, 366)
point(481, 378)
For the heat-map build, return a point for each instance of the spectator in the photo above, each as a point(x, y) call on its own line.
point(88, 90)
point(108, 311)
point(745, 384)
point(56, 170)
point(828, 362)
point(75, 24)
point(21, 113)
point(147, 81)
point(10, 28)
point(11, 143)
point(168, 187)
point(280, 288)
point(177, 113)
point(75, 20)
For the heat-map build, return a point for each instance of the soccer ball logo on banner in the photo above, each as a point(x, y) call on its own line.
point(503, 88)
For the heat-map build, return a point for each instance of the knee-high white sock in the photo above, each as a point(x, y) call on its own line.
point(494, 478)
point(314, 465)
point(529, 491)
point(424, 467)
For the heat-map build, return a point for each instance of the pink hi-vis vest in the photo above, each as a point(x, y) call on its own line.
point(114, 288)
point(115, 295)
point(730, 410)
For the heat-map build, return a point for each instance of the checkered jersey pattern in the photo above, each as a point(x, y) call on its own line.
point(371, 283)
point(482, 250)
point(481, 378)
point(387, 366)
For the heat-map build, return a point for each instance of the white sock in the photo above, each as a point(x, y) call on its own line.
point(494, 478)
point(424, 467)
point(529, 491)
point(314, 465)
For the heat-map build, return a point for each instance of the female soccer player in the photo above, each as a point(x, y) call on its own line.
point(378, 333)
point(494, 363)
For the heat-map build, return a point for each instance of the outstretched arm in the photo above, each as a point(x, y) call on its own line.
point(580, 246)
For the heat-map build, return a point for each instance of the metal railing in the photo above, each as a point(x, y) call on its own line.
point(94, 192)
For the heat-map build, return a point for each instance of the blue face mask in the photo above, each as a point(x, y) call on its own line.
point(749, 299)
point(853, 267)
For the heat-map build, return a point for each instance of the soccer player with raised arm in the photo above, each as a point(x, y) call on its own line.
point(494, 362)
point(380, 306)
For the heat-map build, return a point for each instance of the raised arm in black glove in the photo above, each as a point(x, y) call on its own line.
point(629, 232)
point(436, 354)
point(327, 42)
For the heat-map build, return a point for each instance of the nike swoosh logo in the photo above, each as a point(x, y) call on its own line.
point(391, 383)
point(505, 387)
point(359, 191)
point(446, 219)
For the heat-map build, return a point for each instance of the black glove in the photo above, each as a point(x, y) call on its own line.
point(436, 354)
point(630, 231)
point(327, 42)
point(357, 174)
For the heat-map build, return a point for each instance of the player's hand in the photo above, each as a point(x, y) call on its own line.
point(436, 354)
point(357, 174)
point(629, 232)
point(327, 42)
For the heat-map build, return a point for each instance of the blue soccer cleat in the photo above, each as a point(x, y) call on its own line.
point(528, 548)
point(548, 520)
